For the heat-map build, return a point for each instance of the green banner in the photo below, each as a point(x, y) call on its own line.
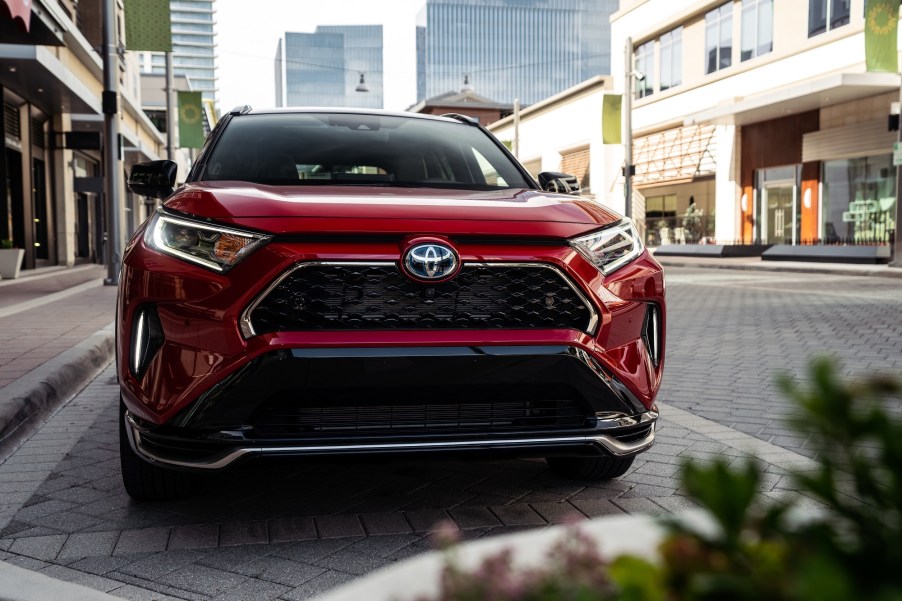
point(148, 25)
point(881, 23)
point(191, 120)
point(611, 119)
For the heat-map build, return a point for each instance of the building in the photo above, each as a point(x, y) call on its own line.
point(193, 46)
point(330, 67)
point(548, 140)
point(761, 115)
point(526, 49)
point(465, 102)
point(51, 155)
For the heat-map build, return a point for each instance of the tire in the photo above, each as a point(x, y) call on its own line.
point(589, 468)
point(147, 482)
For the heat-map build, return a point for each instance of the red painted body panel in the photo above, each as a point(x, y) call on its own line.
point(343, 210)
point(199, 310)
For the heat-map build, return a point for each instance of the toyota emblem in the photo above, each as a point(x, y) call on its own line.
point(430, 261)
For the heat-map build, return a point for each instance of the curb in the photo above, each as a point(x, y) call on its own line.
point(25, 585)
point(27, 401)
point(879, 273)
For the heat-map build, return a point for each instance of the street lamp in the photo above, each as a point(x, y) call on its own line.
point(362, 87)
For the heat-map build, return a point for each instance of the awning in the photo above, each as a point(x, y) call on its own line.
point(797, 98)
point(29, 22)
point(34, 73)
point(19, 11)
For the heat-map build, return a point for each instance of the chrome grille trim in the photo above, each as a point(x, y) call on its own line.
point(247, 327)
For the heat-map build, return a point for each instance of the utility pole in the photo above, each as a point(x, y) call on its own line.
point(170, 109)
point(628, 129)
point(110, 100)
point(517, 128)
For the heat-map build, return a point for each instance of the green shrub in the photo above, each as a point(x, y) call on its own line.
point(6, 243)
point(757, 551)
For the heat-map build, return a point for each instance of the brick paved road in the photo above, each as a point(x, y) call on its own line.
point(289, 531)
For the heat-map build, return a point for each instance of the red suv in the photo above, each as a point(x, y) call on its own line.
point(343, 281)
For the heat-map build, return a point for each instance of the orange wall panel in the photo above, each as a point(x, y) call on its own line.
point(809, 215)
point(746, 226)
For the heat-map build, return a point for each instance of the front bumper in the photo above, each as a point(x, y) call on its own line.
point(580, 444)
point(525, 400)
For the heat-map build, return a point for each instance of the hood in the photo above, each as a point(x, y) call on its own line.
point(372, 209)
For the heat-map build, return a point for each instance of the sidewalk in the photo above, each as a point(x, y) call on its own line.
point(756, 264)
point(55, 336)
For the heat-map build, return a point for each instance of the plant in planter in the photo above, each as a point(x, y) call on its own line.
point(755, 550)
point(10, 259)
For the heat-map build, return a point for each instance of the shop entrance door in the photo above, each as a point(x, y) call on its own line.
point(779, 213)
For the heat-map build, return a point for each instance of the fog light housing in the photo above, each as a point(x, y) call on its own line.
point(147, 339)
point(651, 333)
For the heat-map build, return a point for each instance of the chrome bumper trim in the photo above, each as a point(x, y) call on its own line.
point(607, 443)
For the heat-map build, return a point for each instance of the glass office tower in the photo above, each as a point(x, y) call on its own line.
point(526, 49)
point(323, 68)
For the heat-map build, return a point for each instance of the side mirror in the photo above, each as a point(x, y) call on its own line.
point(155, 179)
point(560, 183)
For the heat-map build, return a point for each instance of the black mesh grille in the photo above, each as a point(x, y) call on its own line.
point(345, 297)
point(287, 420)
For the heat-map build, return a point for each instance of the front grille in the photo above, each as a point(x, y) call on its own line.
point(379, 297)
point(286, 419)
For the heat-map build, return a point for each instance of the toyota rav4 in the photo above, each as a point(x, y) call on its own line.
point(332, 282)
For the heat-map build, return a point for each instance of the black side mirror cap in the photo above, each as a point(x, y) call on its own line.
point(155, 179)
point(561, 183)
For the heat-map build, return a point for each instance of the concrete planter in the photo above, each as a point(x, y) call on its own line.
point(420, 576)
point(10, 262)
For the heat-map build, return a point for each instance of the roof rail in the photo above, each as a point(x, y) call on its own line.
point(462, 118)
point(241, 109)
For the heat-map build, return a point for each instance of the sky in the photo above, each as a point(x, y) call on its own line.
point(248, 31)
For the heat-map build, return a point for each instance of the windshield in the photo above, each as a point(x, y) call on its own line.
point(348, 149)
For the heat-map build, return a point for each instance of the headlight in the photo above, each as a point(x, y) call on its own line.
point(612, 247)
point(212, 246)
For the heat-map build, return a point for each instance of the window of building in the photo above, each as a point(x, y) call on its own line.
point(757, 28)
point(645, 64)
point(672, 59)
point(719, 38)
point(859, 200)
point(824, 15)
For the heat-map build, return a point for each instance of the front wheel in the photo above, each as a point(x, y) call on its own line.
point(145, 481)
point(590, 468)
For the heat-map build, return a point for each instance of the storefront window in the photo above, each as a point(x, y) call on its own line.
point(777, 208)
point(859, 200)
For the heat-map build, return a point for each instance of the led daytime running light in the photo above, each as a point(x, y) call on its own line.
point(212, 246)
point(611, 248)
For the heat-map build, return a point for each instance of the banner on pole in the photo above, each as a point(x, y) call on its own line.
point(148, 25)
point(191, 120)
point(611, 121)
point(881, 23)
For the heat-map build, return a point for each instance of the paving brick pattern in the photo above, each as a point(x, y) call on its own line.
point(730, 332)
point(291, 530)
point(31, 337)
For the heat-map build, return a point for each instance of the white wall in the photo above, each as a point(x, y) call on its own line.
point(569, 125)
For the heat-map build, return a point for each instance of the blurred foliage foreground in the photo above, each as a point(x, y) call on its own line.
point(758, 550)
